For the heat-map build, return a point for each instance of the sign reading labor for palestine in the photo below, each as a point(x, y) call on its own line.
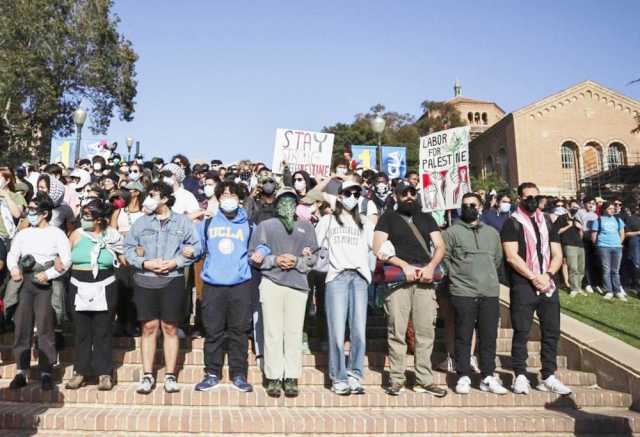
point(303, 150)
point(444, 168)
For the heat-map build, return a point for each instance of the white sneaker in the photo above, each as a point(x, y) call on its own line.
point(574, 293)
point(463, 387)
point(599, 290)
point(588, 289)
point(622, 296)
point(447, 365)
point(554, 385)
point(474, 364)
point(608, 296)
point(493, 385)
point(521, 385)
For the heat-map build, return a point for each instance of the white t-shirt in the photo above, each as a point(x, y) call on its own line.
point(372, 209)
point(186, 202)
point(44, 244)
point(349, 246)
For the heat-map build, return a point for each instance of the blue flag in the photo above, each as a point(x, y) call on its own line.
point(394, 161)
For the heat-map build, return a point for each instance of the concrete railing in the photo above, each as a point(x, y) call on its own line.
point(616, 364)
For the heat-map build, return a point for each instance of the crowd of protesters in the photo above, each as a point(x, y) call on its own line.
point(241, 256)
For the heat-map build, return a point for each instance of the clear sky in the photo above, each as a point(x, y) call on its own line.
point(216, 78)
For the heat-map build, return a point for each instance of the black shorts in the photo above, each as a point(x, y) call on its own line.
point(166, 304)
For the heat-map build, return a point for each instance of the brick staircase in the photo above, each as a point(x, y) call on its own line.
point(61, 412)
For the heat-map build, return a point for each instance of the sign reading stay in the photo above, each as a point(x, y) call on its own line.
point(303, 150)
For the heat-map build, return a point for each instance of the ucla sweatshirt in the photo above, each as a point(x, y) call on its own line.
point(225, 247)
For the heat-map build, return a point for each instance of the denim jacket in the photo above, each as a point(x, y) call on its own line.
point(164, 241)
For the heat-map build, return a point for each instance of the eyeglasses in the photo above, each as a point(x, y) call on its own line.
point(410, 192)
point(348, 194)
point(618, 204)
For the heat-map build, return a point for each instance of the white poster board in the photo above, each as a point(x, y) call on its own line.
point(303, 150)
point(444, 168)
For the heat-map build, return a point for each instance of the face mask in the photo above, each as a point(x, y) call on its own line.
point(341, 171)
point(33, 219)
point(505, 207)
point(134, 176)
point(592, 208)
point(468, 213)
point(169, 181)
point(119, 203)
point(560, 211)
point(300, 185)
point(97, 166)
point(406, 207)
point(349, 202)
point(116, 161)
point(150, 204)
point(359, 172)
point(573, 211)
point(529, 204)
point(382, 189)
point(285, 211)
point(209, 191)
point(269, 188)
point(229, 204)
point(87, 225)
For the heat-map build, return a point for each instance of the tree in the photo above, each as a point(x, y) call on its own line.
point(491, 181)
point(55, 54)
point(400, 129)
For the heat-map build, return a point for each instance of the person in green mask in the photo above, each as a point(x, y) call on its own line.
point(283, 248)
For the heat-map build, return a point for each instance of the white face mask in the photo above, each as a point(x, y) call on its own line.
point(134, 176)
point(349, 202)
point(209, 191)
point(150, 205)
point(169, 181)
point(341, 171)
point(300, 185)
point(229, 204)
point(505, 207)
point(97, 166)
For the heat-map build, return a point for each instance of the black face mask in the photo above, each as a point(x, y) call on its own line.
point(573, 211)
point(268, 188)
point(529, 204)
point(469, 214)
point(406, 207)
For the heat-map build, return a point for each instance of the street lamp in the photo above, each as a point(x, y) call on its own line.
point(377, 126)
point(129, 146)
point(79, 117)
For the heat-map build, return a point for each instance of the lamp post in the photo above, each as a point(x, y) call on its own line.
point(79, 117)
point(377, 126)
point(129, 146)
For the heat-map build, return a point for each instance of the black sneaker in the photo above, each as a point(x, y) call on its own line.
point(431, 389)
point(19, 381)
point(395, 389)
point(274, 388)
point(291, 388)
point(46, 383)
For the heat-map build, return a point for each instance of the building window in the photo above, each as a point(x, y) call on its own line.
point(568, 157)
point(470, 117)
point(502, 164)
point(616, 155)
point(592, 158)
point(569, 166)
point(477, 118)
point(485, 118)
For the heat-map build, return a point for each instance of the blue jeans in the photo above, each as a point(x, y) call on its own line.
point(346, 299)
point(610, 258)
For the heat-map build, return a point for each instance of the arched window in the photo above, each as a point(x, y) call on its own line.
point(616, 155)
point(569, 162)
point(477, 118)
point(485, 118)
point(502, 164)
point(592, 158)
point(470, 117)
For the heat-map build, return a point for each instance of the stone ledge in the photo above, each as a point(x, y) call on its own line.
point(616, 364)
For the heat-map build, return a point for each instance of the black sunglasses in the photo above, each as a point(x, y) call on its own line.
point(348, 194)
point(409, 192)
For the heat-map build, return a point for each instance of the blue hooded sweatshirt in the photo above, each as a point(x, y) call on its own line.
point(227, 259)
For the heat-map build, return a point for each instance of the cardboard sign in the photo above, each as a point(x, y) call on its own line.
point(303, 150)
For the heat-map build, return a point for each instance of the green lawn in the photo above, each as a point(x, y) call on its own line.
point(616, 318)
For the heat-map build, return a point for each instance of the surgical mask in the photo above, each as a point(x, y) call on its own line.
point(269, 188)
point(592, 208)
point(560, 210)
point(300, 185)
point(33, 219)
point(97, 166)
point(169, 181)
point(209, 191)
point(150, 204)
point(229, 204)
point(349, 202)
point(87, 225)
point(116, 161)
point(529, 204)
point(134, 176)
point(505, 207)
point(341, 171)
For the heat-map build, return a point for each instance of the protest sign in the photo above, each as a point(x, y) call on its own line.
point(60, 152)
point(394, 161)
point(365, 156)
point(444, 168)
point(303, 150)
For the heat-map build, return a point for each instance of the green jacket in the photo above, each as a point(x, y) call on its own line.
point(474, 254)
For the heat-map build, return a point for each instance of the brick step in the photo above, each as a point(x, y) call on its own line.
point(229, 421)
point(310, 376)
point(312, 396)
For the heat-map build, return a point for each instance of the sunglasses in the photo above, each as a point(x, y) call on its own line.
point(348, 194)
point(409, 192)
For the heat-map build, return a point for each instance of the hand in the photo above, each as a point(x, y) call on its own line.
point(286, 261)
point(577, 224)
point(257, 257)
point(337, 176)
point(426, 274)
point(188, 252)
point(57, 262)
point(541, 282)
point(153, 265)
point(167, 266)
point(208, 214)
point(410, 273)
point(16, 275)
point(307, 251)
point(41, 277)
point(140, 251)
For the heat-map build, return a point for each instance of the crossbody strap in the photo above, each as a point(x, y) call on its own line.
point(417, 234)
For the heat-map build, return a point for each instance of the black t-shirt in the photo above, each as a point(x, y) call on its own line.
point(403, 239)
point(570, 237)
point(514, 231)
point(632, 223)
point(3, 258)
